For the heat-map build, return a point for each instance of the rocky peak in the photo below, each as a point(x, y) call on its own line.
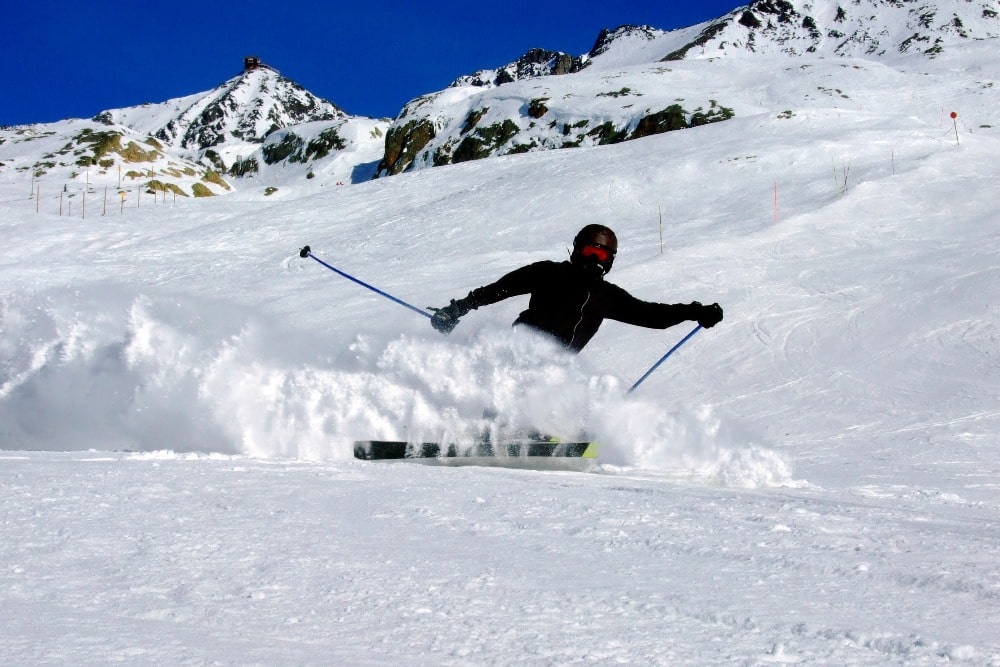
point(534, 63)
point(245, 109)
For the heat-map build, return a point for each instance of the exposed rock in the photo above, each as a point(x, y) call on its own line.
point(534, 63)
point(402, 144)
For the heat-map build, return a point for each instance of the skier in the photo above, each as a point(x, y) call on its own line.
point(570, 300)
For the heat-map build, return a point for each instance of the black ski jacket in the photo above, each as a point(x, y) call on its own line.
point(570, 305)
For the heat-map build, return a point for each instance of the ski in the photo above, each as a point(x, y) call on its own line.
point(384, 450)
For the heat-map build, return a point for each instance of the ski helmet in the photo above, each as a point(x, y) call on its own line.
point(595, 245)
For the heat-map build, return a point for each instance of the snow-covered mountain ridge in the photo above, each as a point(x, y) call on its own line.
point(880, 28)
point(246, 108)
point(626, 87)
point(261, 130)
point(203, 144)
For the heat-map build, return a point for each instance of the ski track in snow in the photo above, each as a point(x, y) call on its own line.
point(177, 558)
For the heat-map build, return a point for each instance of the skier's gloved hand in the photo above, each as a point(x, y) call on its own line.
point(445, 319)
point(709, 316)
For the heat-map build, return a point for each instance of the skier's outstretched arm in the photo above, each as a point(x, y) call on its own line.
point(626, 308)
point(518, 281)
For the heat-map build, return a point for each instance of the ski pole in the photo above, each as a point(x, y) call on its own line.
point(662, 359)
point(306, 252)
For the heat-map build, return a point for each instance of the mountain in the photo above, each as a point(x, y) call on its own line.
point(80, 154)
point(861, 28)
point(628, 86)
point(260, 129)
point(257, 125)
point(244, 109)
point(256, 120)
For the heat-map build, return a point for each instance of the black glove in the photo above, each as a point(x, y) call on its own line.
point(445, 319)
point(707, 316)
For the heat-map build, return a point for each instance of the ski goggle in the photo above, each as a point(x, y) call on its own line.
point(597, 251)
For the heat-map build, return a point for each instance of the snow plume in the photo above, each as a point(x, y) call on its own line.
point(101, 370)
point(696, 444)
point(157, 372)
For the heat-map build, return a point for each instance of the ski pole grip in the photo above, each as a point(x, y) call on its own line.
point(304, 252)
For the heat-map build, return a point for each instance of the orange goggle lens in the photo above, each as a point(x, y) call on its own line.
point(598, 252)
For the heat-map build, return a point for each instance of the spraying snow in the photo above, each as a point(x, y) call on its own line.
point(147, 373)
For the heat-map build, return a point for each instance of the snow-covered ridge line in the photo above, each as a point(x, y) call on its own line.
point(204, 144)
point(245, 109)
point(259, 121)
point(864, 28)
point(506, 110)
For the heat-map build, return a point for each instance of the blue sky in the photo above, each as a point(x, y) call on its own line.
point(71, 59)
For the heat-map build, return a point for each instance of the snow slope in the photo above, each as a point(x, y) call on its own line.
point(814, 480)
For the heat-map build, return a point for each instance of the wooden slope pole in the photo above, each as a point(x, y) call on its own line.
point(661, 228)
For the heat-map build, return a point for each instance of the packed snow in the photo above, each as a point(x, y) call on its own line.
point(813, 480)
